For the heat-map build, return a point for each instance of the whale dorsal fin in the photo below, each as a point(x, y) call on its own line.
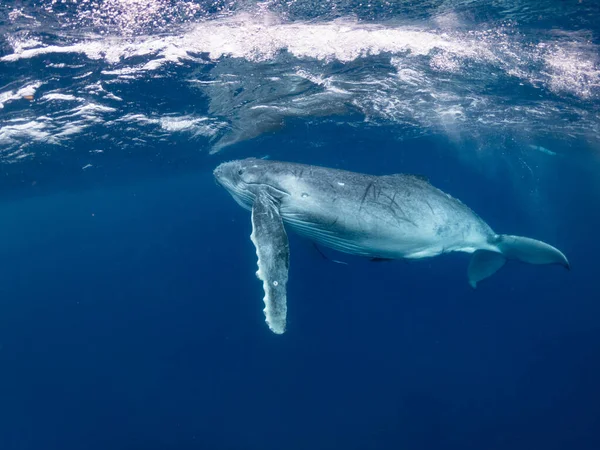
point(272, 248)
point(421, 177)
point(406, 175)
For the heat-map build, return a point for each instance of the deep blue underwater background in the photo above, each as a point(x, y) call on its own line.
point(132, 320)
point(131, 317)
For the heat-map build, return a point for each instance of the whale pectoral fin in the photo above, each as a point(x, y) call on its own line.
point(272, 248)
point(484, 264)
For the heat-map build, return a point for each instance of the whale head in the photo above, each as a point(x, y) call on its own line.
point(243, 178)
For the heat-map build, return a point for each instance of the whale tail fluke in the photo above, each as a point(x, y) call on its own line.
point(485, 263)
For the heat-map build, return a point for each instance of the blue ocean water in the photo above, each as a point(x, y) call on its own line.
point(130, 313)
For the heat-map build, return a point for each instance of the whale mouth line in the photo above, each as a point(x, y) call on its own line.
point(270, 187)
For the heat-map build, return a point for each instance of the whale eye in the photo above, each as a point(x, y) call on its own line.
point(241, 171)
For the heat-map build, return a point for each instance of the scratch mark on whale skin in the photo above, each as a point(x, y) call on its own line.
point(364, 197)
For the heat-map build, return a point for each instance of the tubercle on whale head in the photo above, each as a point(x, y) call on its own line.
point(238, 171)
point(250, 172)
point(226, 176)
point(243, 178)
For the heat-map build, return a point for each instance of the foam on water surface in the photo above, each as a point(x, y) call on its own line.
point(246, 73)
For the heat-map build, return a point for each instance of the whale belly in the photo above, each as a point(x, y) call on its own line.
point(385, 219)
point(348, 235)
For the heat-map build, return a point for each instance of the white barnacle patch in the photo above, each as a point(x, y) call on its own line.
point(304, 195)
point(341, 184)
point(275, 283)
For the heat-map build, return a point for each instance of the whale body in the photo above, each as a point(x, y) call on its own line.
point(395, 216)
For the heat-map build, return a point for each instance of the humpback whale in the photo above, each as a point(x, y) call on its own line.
point(395, 216)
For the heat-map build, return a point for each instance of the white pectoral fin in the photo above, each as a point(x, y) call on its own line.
point(484, 264)
point(272, 248)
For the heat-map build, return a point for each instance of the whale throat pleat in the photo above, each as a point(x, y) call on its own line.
point(272, 248)
point(326, 237)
